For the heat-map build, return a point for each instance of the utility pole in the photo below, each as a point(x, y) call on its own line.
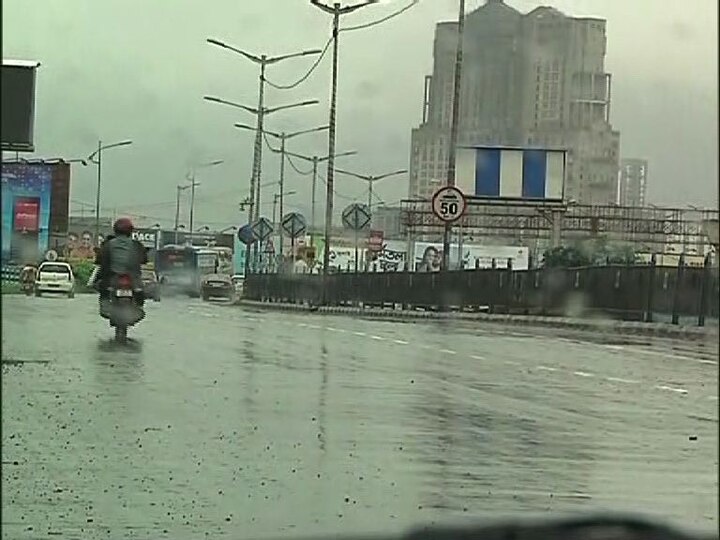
point(454, 127)
point(336, 10)
point(283, 136)
point(180, 189)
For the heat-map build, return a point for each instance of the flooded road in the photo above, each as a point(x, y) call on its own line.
point(228, 423)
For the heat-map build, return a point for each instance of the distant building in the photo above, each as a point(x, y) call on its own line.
point(534, 79)
point(388, 219)
point(632, 183)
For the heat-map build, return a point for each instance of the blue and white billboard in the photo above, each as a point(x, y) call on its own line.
point(514, 173)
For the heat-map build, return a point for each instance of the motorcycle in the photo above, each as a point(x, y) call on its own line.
point(124, 306)
point(27, 286)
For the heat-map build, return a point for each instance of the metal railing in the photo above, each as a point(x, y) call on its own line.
point(627, 292)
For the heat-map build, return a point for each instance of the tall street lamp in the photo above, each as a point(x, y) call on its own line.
point(276, 198)
point(193, 184)
point(315, 160)
point(96, 158)
point(283, 137)
point(263, 61)
point(255, 185)
point(336, 10)
point(371, 179)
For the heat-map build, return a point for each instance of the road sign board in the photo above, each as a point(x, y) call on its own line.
point(356, 217)
point(294, 224)
point(262, 229)
point(246, 235)
point(449, 204)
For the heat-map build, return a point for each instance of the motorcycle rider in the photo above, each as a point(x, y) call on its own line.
point(120, 254)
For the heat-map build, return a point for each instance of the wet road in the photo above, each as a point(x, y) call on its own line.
point(228, 423)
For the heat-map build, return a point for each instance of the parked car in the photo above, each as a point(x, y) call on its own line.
point(151, 284)
point(55, 277)
point(217, 286)
point(238, 283)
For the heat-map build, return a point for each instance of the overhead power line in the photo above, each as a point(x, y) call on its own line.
point(304, 77)
point(413, 3)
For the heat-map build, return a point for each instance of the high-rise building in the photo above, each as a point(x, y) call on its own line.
point(632, 182)
point(529, 80)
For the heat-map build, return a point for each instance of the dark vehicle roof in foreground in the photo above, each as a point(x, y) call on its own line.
point(596, 528)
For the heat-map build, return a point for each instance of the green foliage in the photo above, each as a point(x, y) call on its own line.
point(82, 271)
point(589, 253)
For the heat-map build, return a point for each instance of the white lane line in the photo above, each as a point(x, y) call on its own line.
point(477, 357)
point(360, 333)
point(302, 325)
point(583, 374)
point(314, 326)
point(401, 342)
point(333, 329)
point(713, 398)
point(711, 362)
point(621, 380)
point(512, 363)
point(615, 347)
point(447, 351)
point(546, 368)
point(378, 338)
point(671, 389)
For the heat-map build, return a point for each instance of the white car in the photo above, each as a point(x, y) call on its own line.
point(55, 277)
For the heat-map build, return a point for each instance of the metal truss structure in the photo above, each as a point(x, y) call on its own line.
point(544, 223)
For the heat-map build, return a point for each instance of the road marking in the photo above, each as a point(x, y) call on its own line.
point(615, 347)
point(621, 380)
point(512, 363)
point(401, 342)
point(671, 389)
point(711, 362)
point(713, 398)
point(583, 374)
point(378, 338)
point(314, 326)
point(546, 368)
point(477, 357)
point(302, 325)
point(447, 351)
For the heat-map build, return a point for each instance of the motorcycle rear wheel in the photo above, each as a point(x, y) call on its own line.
point(121, 334)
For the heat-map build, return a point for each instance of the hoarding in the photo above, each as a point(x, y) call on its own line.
point(512, 173)
point(18, 105)
point(26, 209)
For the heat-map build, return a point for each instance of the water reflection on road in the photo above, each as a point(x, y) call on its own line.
point(244, 424)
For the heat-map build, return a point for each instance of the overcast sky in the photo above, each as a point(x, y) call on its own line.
point(131, 69)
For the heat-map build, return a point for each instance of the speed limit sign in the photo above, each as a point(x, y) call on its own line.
point(449, 204)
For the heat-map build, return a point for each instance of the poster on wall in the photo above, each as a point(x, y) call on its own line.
point(26, 192)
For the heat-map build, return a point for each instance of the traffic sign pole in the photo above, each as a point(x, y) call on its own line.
point(448, 205)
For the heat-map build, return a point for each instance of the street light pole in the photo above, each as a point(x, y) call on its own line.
point(283, 152)
point(315, 160)
point(336, 10)
point(193, 184)
point(97, 190)
point(371, 179)
point(263, 61)
point(90, 158)
point(454, 127)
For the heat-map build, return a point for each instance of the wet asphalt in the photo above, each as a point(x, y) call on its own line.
point(223, 422)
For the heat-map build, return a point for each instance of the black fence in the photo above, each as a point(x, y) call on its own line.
point(639, 293)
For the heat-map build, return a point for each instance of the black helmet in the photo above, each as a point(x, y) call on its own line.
point(123, 226)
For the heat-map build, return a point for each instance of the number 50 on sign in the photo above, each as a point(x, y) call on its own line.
point(449, 204)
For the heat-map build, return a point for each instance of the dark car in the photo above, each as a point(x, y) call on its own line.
point(217, 286)
point(151, 284)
